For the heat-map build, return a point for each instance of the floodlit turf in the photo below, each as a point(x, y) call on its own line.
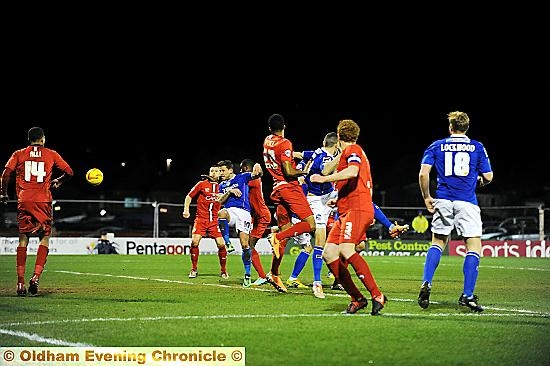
point(128, 301)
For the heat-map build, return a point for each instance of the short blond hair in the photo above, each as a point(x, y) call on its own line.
point(460, 122)
point(348, 130)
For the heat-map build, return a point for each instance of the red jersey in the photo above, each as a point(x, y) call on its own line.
point(277, 150)
point(256, 198)
point(261, 216)
point(207, 195)
point(34, 166)
point(355, 193)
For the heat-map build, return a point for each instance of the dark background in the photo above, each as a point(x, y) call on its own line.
point(97, 120)
point(141, 89)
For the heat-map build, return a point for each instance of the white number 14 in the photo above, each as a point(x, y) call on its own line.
point(35, 168)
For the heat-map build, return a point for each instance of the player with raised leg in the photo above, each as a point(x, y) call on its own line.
point(287, 194)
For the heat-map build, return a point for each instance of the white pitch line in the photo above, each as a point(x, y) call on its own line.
point(159, 280)
point(473, 314)
point(266, 289)
point(481, 265)
point(520, 311)
point(260, 316)
point(517, 268)
point(37, 338)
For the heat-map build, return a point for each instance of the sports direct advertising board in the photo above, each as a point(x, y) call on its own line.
point(507, 248)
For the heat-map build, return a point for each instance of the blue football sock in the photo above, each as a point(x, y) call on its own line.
point(224, 227)
point(432, 261)
point(299, 264)
point(470, 270)
point(317, 262)
point(246, 260)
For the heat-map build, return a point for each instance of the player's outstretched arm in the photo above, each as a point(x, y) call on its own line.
point(290, 171)
point(186, 204)
point(330, 166)
point(257, 171)
point(351, 171)
point(395, 230)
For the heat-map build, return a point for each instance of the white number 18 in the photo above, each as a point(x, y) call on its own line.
point(460, 166)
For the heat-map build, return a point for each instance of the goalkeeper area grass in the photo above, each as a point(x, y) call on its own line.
point(140, 301)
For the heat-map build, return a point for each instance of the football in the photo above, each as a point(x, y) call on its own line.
point(94, 176)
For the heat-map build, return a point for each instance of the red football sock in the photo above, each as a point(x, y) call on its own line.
point(296, 229)
point(345, 279)
point(363, 272)
point(222, 254)
point(41, 257)
point(21, 261)
point(334, 267)
point(194, 257)
point(257, 263)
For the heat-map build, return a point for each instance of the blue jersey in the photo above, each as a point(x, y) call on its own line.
point(319, 159)
point(307, 154)
point(239, 181)
point(458, 162)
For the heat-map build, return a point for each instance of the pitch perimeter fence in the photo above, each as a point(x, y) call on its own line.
point(131, 218)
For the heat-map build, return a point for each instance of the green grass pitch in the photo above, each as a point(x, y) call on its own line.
point(129, 301)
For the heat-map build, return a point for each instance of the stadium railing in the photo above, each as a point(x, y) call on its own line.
point(88, 218)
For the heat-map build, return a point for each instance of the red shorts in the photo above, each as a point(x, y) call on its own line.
point(260, 222)
point(205, 228)
point(33, 216)
point(351, 227)
point(290, 199)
